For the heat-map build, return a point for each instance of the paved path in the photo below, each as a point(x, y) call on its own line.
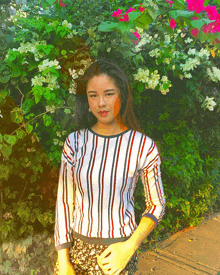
point(191, 251)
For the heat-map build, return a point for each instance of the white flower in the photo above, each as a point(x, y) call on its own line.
point(72, 88)
point(187, 75)
point(66, 24)
point(82, 23)
point(210, 103)
point(50, 109)
point(55, 141)
point(204, 52)
point(1, 114)
point(155, 52)
point(58, 134)
point(214, 74)
point(81, 72)
point(61, 143)
point(190, 64)
point(191, 51)
point(188, 40)
point(108, 50)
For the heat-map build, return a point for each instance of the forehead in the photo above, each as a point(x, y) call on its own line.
point(101, 80)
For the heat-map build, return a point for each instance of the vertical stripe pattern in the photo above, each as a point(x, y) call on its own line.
point(101, 173)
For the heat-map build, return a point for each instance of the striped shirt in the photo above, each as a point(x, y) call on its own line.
point(101, 173)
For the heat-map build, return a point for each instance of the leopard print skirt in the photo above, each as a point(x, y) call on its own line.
point(83, 258)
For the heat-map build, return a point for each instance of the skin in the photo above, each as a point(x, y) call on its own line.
point(100, 100)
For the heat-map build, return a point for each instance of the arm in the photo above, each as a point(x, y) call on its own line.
point(154, 196)
point(63, 256)
point(64, 204)
point(144, 228)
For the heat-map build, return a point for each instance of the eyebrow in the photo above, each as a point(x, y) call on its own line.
point(105, 91)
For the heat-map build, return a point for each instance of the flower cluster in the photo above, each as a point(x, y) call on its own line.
point(66, 24)
point(59, 142)
point(48, 64)
point(152, 80)
point(50, 109)
point(125, 17)
point(49, 78)
point(198, 7)
point(214, 74)
point(144, 39)
point(210, 103)
point(31, 47)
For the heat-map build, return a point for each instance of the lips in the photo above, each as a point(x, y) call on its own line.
point(103, 112)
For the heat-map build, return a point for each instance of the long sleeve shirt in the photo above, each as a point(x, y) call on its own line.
point(97, 180)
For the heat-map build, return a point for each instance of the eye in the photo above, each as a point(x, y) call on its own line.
point(95, 95)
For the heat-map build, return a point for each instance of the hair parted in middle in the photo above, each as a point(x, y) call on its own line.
point(85, 119)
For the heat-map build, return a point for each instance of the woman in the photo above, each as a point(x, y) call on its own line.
point(95, 228)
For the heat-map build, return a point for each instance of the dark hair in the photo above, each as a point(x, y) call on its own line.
point(84, 118)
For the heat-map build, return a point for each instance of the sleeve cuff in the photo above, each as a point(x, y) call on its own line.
point(152, 217)
point(64, 245)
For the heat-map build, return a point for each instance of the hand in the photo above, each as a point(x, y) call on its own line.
point(121, 254)
point(67, 269)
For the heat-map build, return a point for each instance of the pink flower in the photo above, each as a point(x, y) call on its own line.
point(206, 28)
point(194, 18)
point(130, 10)
point(141, 8)
point(217, 41)
point(194, 32)
point(170, 2)
point(125, 18)
point(172, 23)
point(61, 3)
point(137, 35)
point(195, 5)
point(212, 12)
point(117, 13)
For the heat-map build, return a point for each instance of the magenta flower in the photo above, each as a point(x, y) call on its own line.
point(217, 41)
point(212, 12)
point(194, 18)
point(206, 28)
point(137, 35)
point(117, 13)
point(141, 8)
point(194, 32)
point(195, 5)
point(130, 10)
point(61, 3)
point(172, 23)
point(125, 18)
point(170, 2)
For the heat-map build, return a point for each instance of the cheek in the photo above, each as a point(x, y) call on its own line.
point(117, 105)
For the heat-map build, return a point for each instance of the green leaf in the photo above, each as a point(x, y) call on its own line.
point(16, 115)
point(15, 72)
point(197, 23)
point(143, 21)
point(29, 128)
point(50, 2)
point(107, 27)
point(134, 15)
point(26, 106)
point(20, 133)
point(0, 137)
point(5, 78)
point(10, 139)
point(22, 175)
point(47, 120)
point(6, 151)
point(47, 50)
point(63, 52)
point(58, 29)
point(67, 111)
point(176, 13)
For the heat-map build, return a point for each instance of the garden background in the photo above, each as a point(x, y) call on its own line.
point(170, 52)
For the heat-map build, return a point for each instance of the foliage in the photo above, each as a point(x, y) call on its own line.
point(175, 82)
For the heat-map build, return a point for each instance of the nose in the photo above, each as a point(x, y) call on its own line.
point(102, 101)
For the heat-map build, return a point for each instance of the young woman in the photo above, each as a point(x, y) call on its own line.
point(95, 228)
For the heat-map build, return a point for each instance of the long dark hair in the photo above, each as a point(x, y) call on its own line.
point(85, 119)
